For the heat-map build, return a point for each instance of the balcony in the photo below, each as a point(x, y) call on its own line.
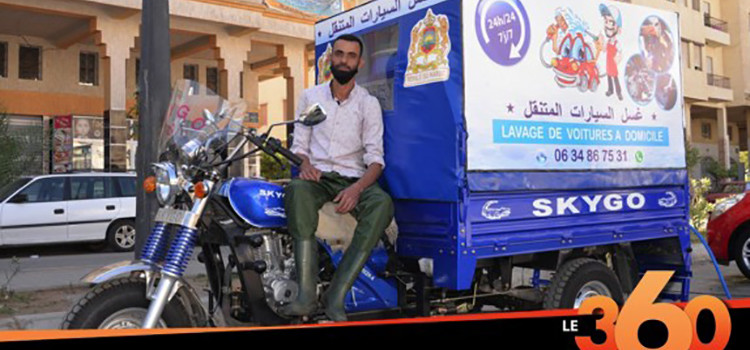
point(719, 88)
point(719, 81)
point(716, 23)
point(717, 31)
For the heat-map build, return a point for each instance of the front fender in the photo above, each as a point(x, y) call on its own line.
point(186, 294)
point(109, 272)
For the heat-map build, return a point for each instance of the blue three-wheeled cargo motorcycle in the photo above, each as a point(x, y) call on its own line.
point(535, 156)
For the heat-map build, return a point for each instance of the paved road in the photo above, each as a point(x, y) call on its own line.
point(64, 270)
point(44, 272)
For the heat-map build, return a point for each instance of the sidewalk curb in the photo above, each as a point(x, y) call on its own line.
point(51, 320)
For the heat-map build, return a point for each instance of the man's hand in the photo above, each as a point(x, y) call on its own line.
point(308, 172)
point(348, 198)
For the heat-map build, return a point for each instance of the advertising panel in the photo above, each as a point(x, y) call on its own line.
point(572, 85)
point(62, 144)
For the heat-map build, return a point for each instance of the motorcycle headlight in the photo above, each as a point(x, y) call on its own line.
point(167, 183)
point(727, 204)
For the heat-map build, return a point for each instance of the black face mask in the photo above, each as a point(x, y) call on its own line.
point(341, 76)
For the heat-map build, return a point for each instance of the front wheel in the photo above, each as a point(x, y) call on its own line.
point(121, 304)
point(580, 279)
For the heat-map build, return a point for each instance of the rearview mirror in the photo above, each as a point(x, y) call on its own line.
point(313, 115)
point(20, 198)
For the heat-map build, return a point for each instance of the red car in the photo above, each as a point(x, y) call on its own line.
point(729, 232)
point(729, 189)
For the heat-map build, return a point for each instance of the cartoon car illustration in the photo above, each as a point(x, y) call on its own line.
point(575, 64)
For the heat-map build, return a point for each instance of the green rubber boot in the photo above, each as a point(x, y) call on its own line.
point(346, 273)
point(306, 256)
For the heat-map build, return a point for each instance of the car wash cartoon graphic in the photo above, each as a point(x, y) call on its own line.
point(609, 42)
point(428, 51)
point(503, 30)
point(324, 66)
point(573, 51)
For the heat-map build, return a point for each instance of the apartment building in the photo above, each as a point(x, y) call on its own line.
point(81, 58)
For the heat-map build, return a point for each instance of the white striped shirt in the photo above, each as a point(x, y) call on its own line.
point(351, 137)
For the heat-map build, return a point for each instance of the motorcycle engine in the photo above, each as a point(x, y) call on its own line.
point(278, 280)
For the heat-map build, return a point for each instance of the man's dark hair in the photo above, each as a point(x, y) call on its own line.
point(352, 38)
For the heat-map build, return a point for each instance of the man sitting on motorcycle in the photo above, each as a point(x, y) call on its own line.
point(342, 161)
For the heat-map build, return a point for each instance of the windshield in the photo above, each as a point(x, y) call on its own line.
point(197, 117)
point(12, 187)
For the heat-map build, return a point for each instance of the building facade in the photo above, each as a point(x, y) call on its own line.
point(81, 59)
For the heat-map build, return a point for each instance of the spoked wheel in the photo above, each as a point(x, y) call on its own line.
point(580, 279)
point(120, 304)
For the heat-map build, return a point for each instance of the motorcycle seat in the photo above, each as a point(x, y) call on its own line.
point(337, 229)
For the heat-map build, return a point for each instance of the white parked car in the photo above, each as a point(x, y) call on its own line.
point(66, 208)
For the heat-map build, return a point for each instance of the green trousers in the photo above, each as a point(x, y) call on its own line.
point(374, 213)
point(303, 199)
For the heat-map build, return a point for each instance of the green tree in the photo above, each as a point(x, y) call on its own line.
point(692, 155)
point(272, 170)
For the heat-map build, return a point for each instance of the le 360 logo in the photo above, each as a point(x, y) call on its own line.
point(621, 326)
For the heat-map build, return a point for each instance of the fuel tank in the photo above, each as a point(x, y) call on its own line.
point(259, 203)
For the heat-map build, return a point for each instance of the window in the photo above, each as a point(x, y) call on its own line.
point(89, 68)
point(709, 65)
point(12, 187)
point(697, 5)
point(127, 186)
point(685, 47)
point(379, 72)
point(698, 57)
point(706, 131)
point(3, 59)
point(212, 80)
point(45, 190)
point(30, 63)
point(190, 72)
point(90, 188)
point(29, 133)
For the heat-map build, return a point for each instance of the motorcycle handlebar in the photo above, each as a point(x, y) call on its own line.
point(272, 146)
point(275, 145)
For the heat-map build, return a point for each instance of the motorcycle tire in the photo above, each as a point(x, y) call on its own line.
point(123, 296)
